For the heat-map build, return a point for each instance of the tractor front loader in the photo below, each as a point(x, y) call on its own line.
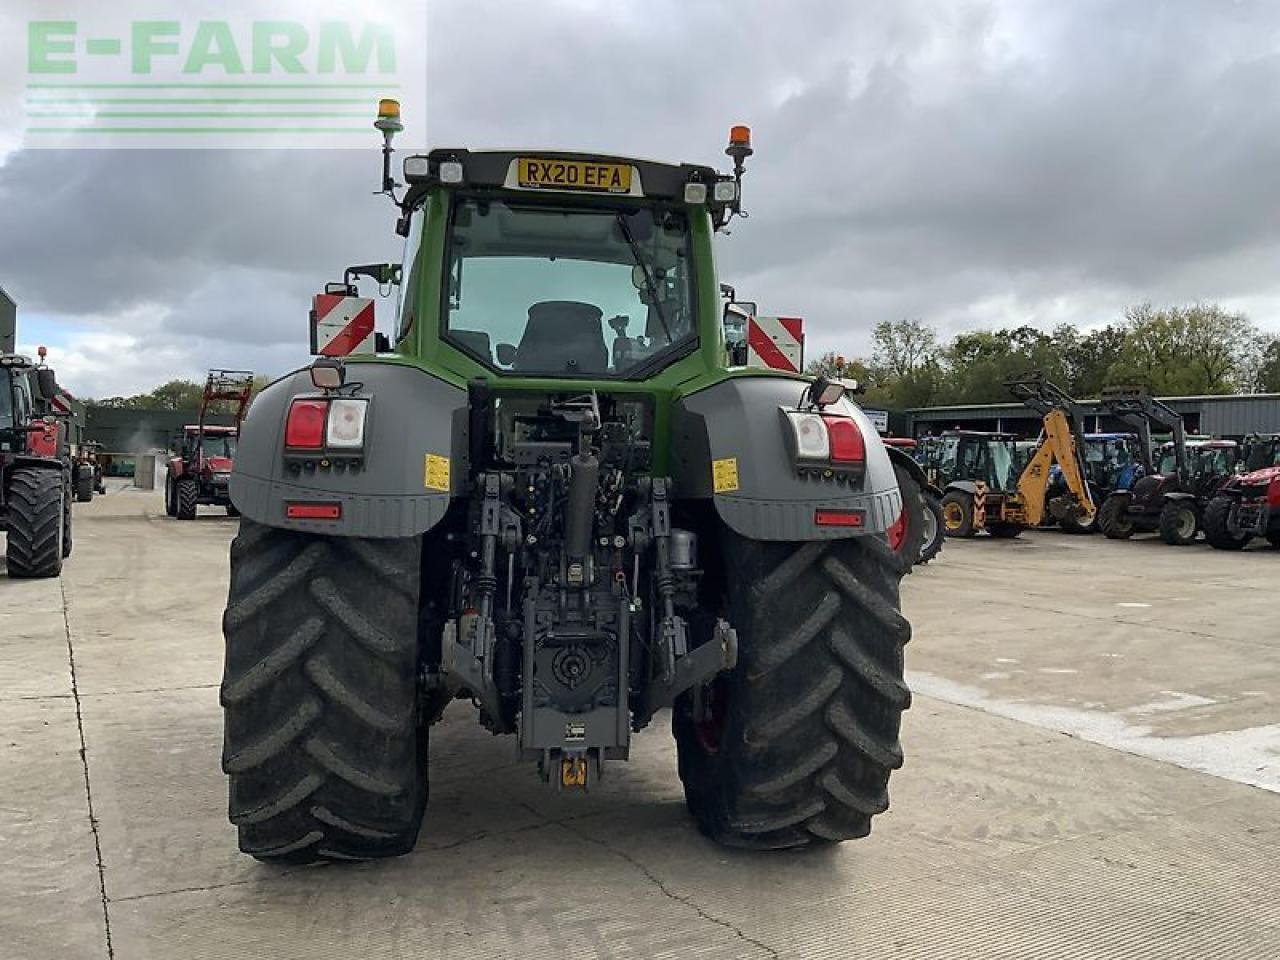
point(1171, 496)
point(553, 499)
point(200, 474)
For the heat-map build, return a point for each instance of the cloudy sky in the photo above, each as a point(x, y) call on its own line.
point(966, 163)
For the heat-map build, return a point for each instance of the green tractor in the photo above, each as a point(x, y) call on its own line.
point(554, 498)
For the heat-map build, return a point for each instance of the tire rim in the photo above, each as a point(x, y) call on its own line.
point(952, 516)
point(1186, 525)
point(708, 728)
point(930, 529)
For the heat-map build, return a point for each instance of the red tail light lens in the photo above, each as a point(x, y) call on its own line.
point(847, 445)
point(304, 430)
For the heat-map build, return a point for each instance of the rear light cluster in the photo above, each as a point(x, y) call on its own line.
point(331, 425)
point(827, 442)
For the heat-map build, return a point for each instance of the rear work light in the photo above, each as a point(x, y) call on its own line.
point(305, 428)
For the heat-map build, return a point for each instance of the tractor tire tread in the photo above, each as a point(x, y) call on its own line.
point(811, 739)
point(36, 523)
point(1217, 526)
point(324, 744)
point(187, 498)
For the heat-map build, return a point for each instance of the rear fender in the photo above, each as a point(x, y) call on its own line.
point(729, 445)
point(411, 419)
point(1179, 495)
point(900, 458)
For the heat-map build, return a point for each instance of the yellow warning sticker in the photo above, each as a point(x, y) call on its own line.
point(724, 475)
point(437, 473)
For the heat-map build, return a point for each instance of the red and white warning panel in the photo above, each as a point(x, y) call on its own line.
point(776, 343)
point(341, 326)
point(61, 402)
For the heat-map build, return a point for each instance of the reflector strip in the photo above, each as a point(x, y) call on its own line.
point(313, 511)
point(839, 518)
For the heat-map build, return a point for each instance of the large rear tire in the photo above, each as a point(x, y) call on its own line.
point(37, 522)
point(795, 745)
point(1004, 531)
point(187, 497)
point(1114, 520)
point(324, 742)
point(1217, 526)
point(66, 525)
point(1179, 523)
point(170, 497)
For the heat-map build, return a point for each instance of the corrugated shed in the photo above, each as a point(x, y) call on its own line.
point(1221, 416)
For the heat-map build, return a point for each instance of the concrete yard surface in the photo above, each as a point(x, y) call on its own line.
point(1093, 770)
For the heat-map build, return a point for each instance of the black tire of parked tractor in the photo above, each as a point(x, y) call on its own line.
point(1004, 531)
point(323, 741)
point(1179, 522)
point(84, 488)
point(66, 525)
point(806, 725)
point(934, 535)
point(957, 514)
point(910, 545)
point(36, 523)
point(1114, 520)
point(1076, 528)
point(233, 510)
point(187, 498)
point(1274, 540)
point(170, 498)
point(1217, 526)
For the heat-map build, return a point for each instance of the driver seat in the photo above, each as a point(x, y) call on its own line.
point(563, 336)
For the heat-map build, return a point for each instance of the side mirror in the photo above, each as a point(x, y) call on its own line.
point(46, 383)
point(506, 353)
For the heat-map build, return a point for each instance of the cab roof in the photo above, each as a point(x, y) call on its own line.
point(490, 168)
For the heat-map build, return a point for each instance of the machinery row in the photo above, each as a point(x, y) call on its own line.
point(1152, 479)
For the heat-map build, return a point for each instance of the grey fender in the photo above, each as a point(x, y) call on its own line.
point(738, 423)
point(411, 417)
point(967, 486)
point(1179, 495)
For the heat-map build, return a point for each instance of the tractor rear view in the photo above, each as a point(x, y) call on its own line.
point(199, 475)
point(556, 500)
point(35, 471)
point(1248, 506)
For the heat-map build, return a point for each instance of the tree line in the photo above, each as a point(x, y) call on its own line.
point(173, 395)
point(1174, 351)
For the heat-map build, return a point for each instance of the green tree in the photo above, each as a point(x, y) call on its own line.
point(1200, 349)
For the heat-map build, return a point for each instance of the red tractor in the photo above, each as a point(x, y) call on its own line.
point(35, 470)
point(1248, 505)
point(198, 475)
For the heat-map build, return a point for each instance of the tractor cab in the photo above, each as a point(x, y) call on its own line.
point(1259, 451)
point(974, 455)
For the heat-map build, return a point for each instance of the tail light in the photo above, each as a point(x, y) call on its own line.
point(847, 445)
point(333, 424)
point(305, 427)
point(826, 439)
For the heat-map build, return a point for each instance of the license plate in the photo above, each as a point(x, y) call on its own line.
point(574, 175)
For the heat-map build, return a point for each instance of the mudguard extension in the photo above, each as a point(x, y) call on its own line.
point(410, 454)
point(730, 445)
